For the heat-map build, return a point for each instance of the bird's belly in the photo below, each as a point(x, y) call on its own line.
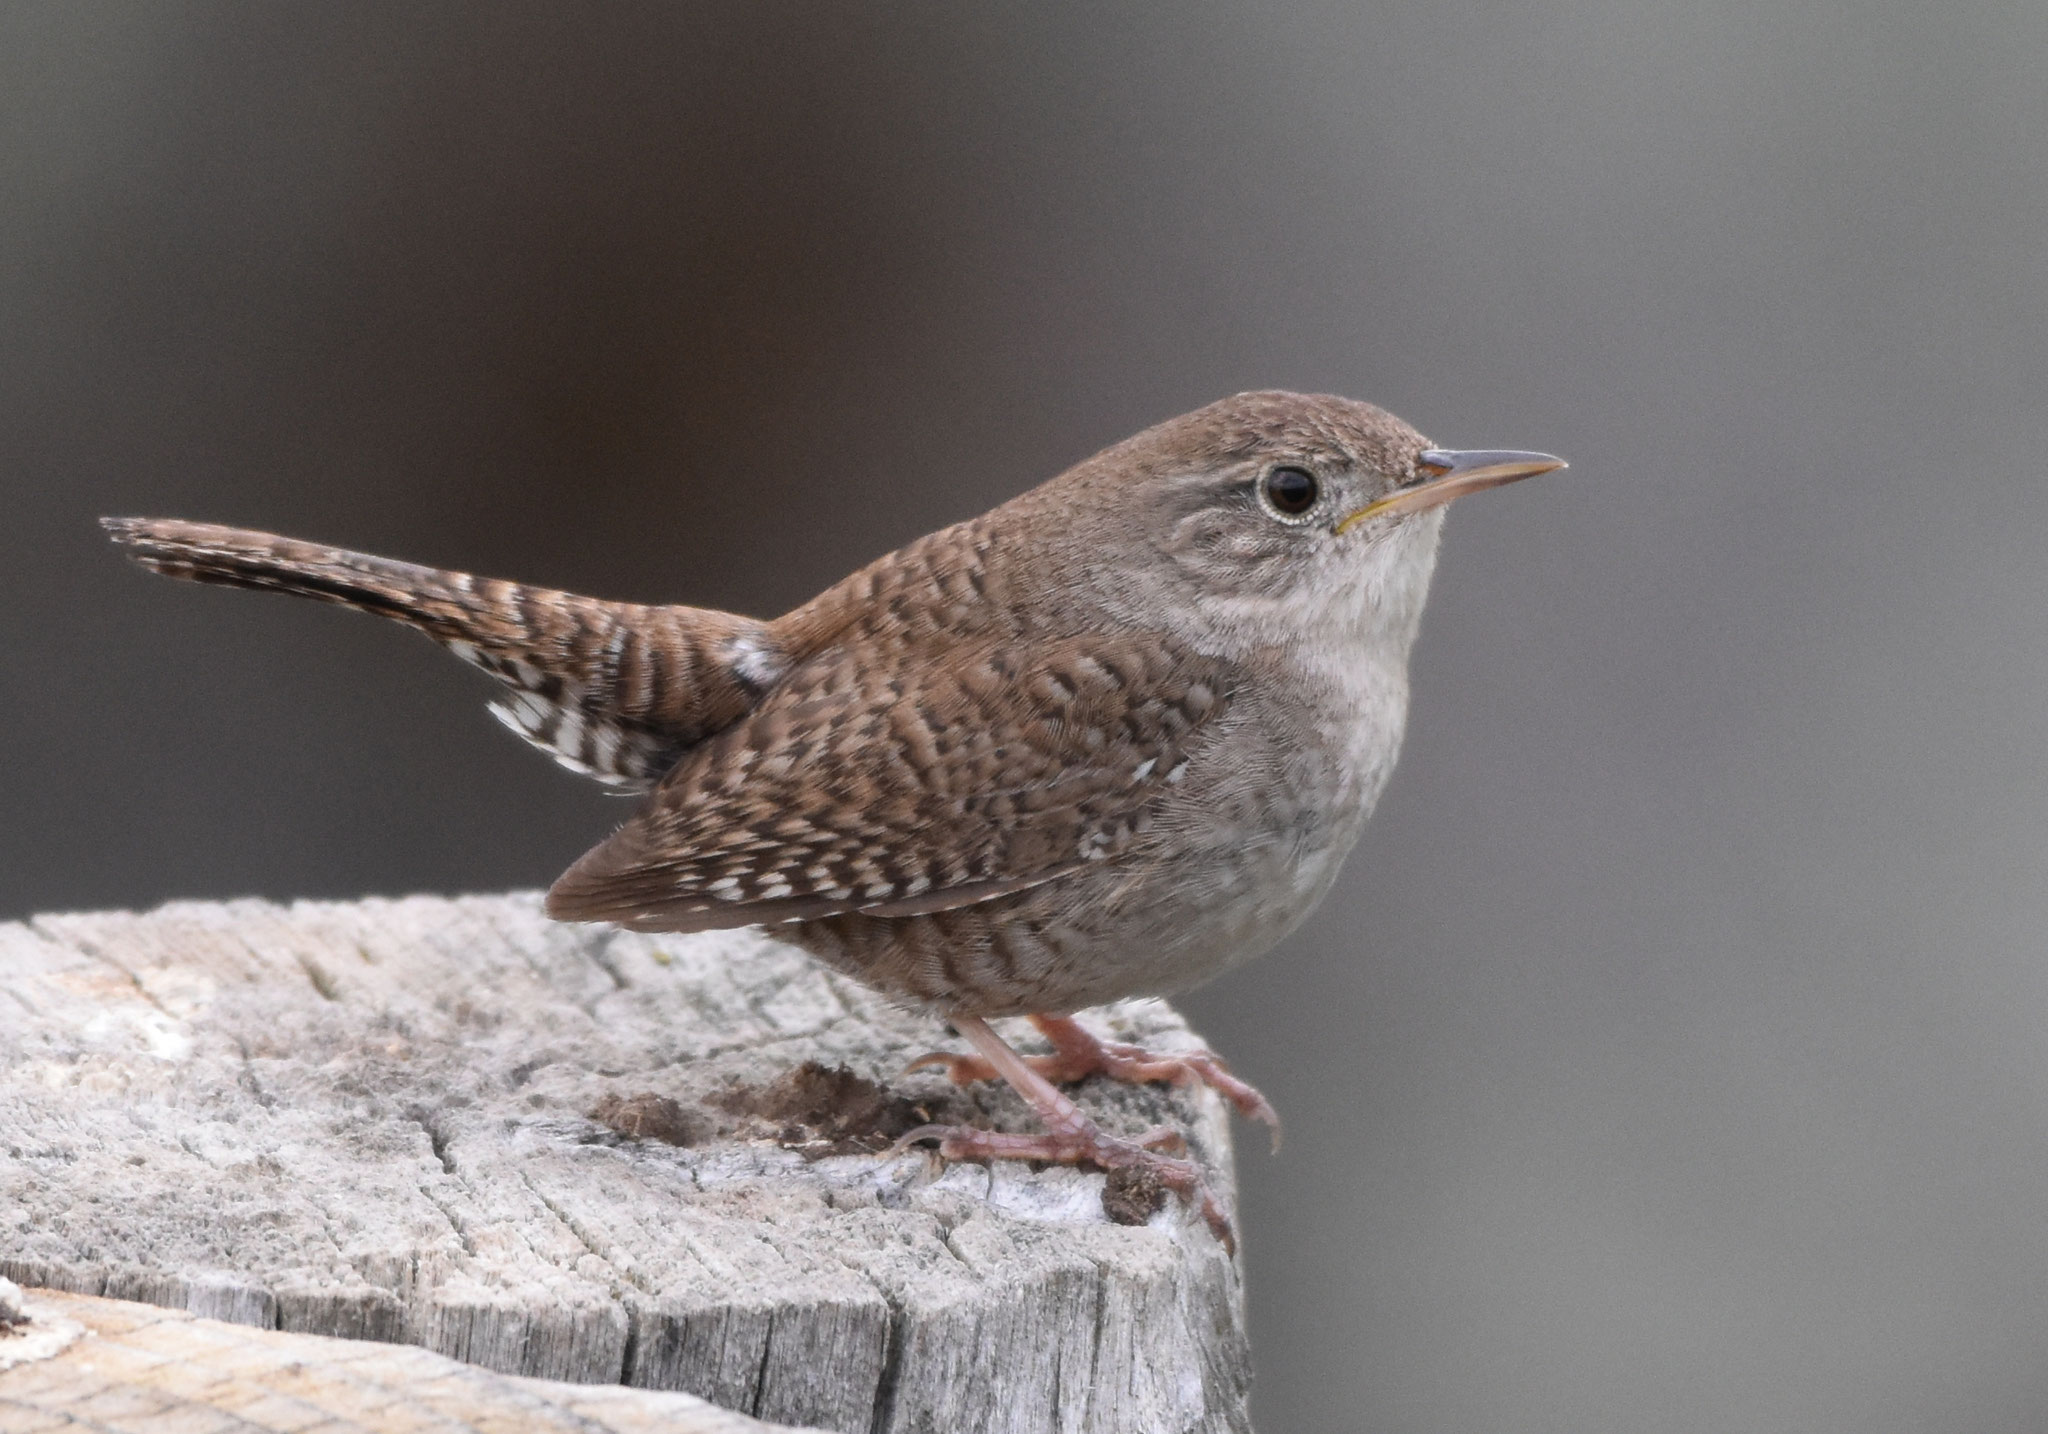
point(1212, 884)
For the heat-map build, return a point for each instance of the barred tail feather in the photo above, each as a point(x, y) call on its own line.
point(616, 691)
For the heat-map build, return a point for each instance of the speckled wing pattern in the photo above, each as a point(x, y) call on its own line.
point(898, 788)
point(616, 691)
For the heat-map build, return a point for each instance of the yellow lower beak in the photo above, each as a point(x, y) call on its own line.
point(1451, 473)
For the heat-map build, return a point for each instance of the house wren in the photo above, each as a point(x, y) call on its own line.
point(1109, 739)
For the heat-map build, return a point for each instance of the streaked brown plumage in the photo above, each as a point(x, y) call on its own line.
point(1106, 739)
point(615, 690)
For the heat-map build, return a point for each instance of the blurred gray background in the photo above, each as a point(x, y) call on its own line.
point(1674, 1054)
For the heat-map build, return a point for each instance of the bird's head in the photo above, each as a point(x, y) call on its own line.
point(1315, 510)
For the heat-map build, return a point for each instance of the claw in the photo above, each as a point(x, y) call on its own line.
point(1086, 1146)
point(1166, 1139)
point(1069, 1137)
point(951, 1062)
point(909, 1138)
point(1079, 1053)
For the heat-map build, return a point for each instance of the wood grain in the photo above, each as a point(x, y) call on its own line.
point(375, 1120)
point(88, 1363)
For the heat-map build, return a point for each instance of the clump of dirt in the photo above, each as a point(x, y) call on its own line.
point(819, 1110)
point(653, 1117)
point(1132, 1195)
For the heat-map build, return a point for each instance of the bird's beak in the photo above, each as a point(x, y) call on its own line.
point(1448, 473)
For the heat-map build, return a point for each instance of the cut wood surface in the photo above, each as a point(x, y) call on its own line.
point(593, 1156)
point(77, 1362)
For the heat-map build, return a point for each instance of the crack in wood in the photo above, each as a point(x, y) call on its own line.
point(285, 1179)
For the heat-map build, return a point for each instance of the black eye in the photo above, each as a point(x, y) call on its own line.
point(1292, 491)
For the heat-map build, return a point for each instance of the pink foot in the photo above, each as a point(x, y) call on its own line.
point(1070, 1137)
point(1086, 1145)
point(1078, 1053)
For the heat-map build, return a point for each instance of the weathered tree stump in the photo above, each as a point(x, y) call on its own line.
point(589, 1156)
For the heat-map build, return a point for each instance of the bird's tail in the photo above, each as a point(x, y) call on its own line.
point(615, 690)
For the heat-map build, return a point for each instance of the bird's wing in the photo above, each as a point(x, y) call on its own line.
point(614, 690)
point(912, 786)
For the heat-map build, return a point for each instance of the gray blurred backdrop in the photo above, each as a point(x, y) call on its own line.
point(1674, 1054)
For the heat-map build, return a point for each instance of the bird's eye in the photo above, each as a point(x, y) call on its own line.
point(1291, 491)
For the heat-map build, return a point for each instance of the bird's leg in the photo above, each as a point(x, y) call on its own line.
point(1078, 1053)
point(1069, 1138)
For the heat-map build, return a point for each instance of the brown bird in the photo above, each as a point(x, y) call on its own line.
point(1109, 739)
